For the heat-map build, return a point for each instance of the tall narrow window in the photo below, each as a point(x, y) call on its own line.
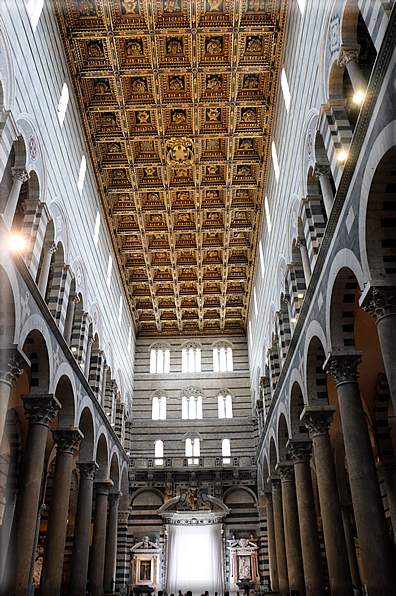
point(192, 451)
point(62, 105)
point(96, 231)
point(261, 258)
point(159, 359)
point(120, 310)
point(159, 408)
point(34, 9)
point(191, 359)
point(275, 161)
point(285, 89)
point(81, 175)
point(226, 451)
point(109, 268)
point(129, 339)
point(192, 407)
point(222, 358)
point(267, 215)
point(301, 6)
point(159, 452)
point(250, 335)
point(225, 406)
point(255, 301)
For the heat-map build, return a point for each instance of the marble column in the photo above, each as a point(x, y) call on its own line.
point(40, 409)
point(111, 540)
point(97, 556)
point(122, 563)
point(388, 469)
point(292, 529)
point(12, 364)
point(19, 176)
point(87, 363)
point(312, 561)
point(323, 175)
point(49, 249)
point(71, 305)
point(279, 535)
point(305, 260)
point(104, 381)
point(349, 59)
point(10, 496)
point(375, 546)
point(66, 441)
point(318, 419)
point(271, 541)
point(82, 529)
point(381, 304)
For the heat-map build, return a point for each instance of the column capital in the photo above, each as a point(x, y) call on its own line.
point(301, 242)
point(114, 497)
point(19, 174)
point(50, 247)
point(102, 487)
point(285, 471)
point(123, 517)
point(66, 439)
point(300, 450)
point(379, 301)
point(387, 466)
point(347, 54)
point(343, 366)
point(259, 405)
point(275, 481)
point(13, 363)
point(322, 170)
point(268, 496)
point(91, 340)
point(40, 409)
point(318, 419)
point(87, 469)
point(75, 298)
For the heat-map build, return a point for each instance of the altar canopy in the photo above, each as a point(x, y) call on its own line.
point(195, 559)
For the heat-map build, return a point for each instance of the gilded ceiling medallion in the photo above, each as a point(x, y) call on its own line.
point(179, 153)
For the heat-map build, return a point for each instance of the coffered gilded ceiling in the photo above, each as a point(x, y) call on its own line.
point(176, 98)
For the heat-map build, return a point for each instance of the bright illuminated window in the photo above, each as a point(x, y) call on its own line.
point(222, 359)
point(192, 451)
point(191, 359)
point(97, 226)
point(285, 89)
point(275, 161)
point(34, 9)
point(261, 258)
point(226, 451)
point(159, 452)
point(159, 408)
point(192, 407)
point(267, 215)
point(255, 301)
point(129, 340)
point(81, 175)
point(225, 406)
point(301, 6)
point(109, 268)
point(250, 335)
point(120, 311)
point(159, 360)
point(62, 105)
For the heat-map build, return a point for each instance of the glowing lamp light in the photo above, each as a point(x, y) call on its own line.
point(358, 97)
point(74, 349)
point(16, 243)
point(341, 156)
point(300, 296)
point(294, 320)
point(112, 424)
point(128, 453)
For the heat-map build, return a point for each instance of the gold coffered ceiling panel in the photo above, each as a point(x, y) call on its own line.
point(144, 73)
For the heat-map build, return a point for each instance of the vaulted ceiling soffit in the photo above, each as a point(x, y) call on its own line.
point(176, 98)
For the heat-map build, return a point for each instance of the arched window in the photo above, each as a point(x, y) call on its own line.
point(62, 105)
point(191, 358)
point(222, 357)
point(191, 407)
point(225, 406)
point(34, 8)
point(159, 407)
point(226, 451)
point(159, 358)
point(192, 450)
point(81, 175)
point(159, 452)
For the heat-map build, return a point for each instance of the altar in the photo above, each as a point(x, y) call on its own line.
point(244, 575)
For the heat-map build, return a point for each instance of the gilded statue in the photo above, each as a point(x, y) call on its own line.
point(149, 171)
point(174, 47)
point(113, 148)
point(214, 83)
point(153, 196)
point(213, 113)
point(214, 46)
point(101, 88)
point(129, 6)
point(176, 83)
point(119, 174)
point(183, 196)
point(143, 116)
point(213, 169)
point(134, 48)
point(95, 50)
point(139, 86)
point(248, 115)
point(214, 5)
point(108, 120)
point(254, 45)
point(86, 8)
point(171, 6)
point(246, 144)
point(212, 194)
point(178, 117)
point(243, 171)
point(250, 83)
point(256, 5)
